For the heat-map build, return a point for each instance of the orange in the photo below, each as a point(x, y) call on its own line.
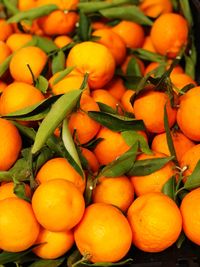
point(62, 40)
point(190, 159)
point(58, 22)
point(103, 234)
point(113, 42)
point(116, 87)
point(3, 86)
point(180, 80)
point(62, 4)
point(153, 65)
point(124, 66)
point(72, 81)
point(5, 30)
point(149, 107)
point(4, 51)
point(22, 229)
point(7, 191)
point(91, 159)
point(84, 127)
point(10, 144)
point(60, 168)
point(58, 211)
point(169, 33)
point(131, 32)
point(117, 191)
point(191, 215)
point(26, 5)
point(53, 244)
point(181, 144)
point(148, 45)
point(18, 40)
point(97, 25)
point(111, 147)
point(188, 114)
point(103, 96)
point(31, 55)
point(156, 7)
point(155, 181)
point(90, 57)
point(19, 95)
point(156, 222)
point(125, 100)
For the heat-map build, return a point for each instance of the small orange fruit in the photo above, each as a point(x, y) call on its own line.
point(156, 7)
point(53, 244)
point(60, 168)
point(22, 229)
point(91, 159)
point(149, 107)
point(103, 96)
point(112, 146)
point(10, 144)
point(191, 215)
point(18, 40)
point(7, 190)
point(4, 51)
point(148, 45)
point(156, 222)
point(180, 80)
point(116, 87)
point(5, 30)
point(62, 40)
point(131, 32)
point(58, 212)
point(32, 56)
point(152, 182)
point(125, 100)
point(117, 191)
point(169, 33)
point(103, 234)
point(90, 57)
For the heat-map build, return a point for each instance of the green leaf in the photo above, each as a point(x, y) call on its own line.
point(58, 62)
point(62, 74)
point(47, 263)
point(131, 13)
point(5, 65)
point(133, 68)
point(10, 7)
point(122, 164)
point(32, 13)
point(95, 6)
point(84, 28)
point(20, 190)
point(93, 143)
point(169, 137)
point(131, 137)
point(47, 45)
point(34, 112)
point(90, 185)
point(109, 264)
point(147, 55)
point(132, 82)
point(45, 154)
point(42, 84)
point(169, 187)
point(180, 240)
point(59, 110)
point(190, 66)
point(105, 108)
point(26, 131)
point(148, 166)
point(10, 257)
point(193, 180)
point(116, 122)
point(185, 8)
point(73, 258)
point(71, 148)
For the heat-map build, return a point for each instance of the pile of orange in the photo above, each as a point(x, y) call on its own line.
point(99, 129)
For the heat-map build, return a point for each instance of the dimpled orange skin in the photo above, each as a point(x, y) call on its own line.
point(188, 114)
point(156, 222)
point(191, 215)
point(169, 33)
point(111, 147)
point(149, 107)
point(18, 226)
point(58, 212)
point(154, 8)
point(103, 233)
point(94, 59)
point(155, 181)
point(31, 55)
point(53, 244)
point(10, 144)
point(60, 168)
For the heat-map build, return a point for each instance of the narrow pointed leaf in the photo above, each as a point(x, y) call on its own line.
point(131, 13)
point(45, 154)
point(32, 13)
point(193, 181)
point(5, 65)
point(90, 185)
point(147, 55)
point(20, 191)
point(116, 123)
point(180, 240)
point(47, 263)
point(58, 62)
point(121, 165)
point(59, 110)
point(185, 8)
point(42, 84)
point(169, 187)
point(26, 131)
point(109, 264)
point(10, 7)
point(148, 166)
point(84, 28)
point(10, 257)
point(169, 137)
point(133, 68)
point(47, 45)
point(62, 74)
